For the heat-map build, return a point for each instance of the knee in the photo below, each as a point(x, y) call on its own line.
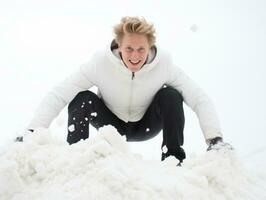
point(82, 97)
point(169, 95)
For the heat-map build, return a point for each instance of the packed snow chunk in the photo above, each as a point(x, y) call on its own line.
point(110, 134)
point(94, 114)
point(9, 178)
point(71, 128)
point(227, 178)
point(164, 149)
point(103, 168)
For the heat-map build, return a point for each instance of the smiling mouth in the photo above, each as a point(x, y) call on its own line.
point(134, 62)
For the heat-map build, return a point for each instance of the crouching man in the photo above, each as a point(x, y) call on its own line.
point(140, 93)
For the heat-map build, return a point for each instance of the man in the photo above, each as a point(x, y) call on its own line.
point(140, 93)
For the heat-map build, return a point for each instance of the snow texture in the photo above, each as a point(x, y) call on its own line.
point(94, 114)
point(71, 128)
point(103, 167)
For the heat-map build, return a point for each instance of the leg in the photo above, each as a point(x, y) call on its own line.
point(172, 113)
point(165, 112)
point(87, 108)
point(171, 110)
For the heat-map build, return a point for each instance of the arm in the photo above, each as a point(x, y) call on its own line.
point(62, 94)
point(196, 99)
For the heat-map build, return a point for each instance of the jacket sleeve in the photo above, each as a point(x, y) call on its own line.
point(196, 99)
point(62, 94)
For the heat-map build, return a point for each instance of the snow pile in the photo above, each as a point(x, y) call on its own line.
point(103, 168)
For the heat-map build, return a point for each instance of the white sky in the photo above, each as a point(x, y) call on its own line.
point(43, 41)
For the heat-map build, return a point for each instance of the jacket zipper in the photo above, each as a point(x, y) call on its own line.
point(131, 94)
point(133, 75)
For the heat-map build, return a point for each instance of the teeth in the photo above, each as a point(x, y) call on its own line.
point(134, 62)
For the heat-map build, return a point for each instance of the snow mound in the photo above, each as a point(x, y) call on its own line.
point(104, 168)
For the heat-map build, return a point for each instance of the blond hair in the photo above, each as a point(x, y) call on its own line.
point(134, 25)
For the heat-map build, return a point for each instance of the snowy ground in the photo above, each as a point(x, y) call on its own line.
point(43, 167)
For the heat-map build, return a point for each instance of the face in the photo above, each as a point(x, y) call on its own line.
point(134, 49)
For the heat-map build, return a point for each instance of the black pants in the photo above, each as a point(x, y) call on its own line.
point(164, 113)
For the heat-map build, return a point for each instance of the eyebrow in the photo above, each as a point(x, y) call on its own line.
point(141, 47)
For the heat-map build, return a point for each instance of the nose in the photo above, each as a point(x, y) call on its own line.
point(135, 54)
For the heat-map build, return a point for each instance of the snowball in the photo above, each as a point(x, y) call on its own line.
point(165, 149)
point(71, 128)
point(94, 114)
point(194, 28)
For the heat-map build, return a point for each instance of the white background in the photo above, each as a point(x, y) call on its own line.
point(219, 44)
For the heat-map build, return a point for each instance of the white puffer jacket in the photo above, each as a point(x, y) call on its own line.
point(126, 96)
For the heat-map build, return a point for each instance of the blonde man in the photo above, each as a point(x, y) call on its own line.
point(140, 93)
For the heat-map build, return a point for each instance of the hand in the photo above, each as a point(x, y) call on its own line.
point(20, 138)
point(217, 144)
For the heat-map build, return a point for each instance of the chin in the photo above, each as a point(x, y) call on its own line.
point(134, 69)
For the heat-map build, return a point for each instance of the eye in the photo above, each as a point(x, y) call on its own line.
point(141, 50)
point(129, 49)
